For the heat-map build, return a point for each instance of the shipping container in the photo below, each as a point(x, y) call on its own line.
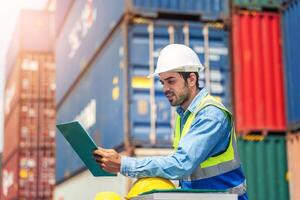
point(10, 173)
point(115, 92)
point(21, 129)
point(47, 83)
point(46, 173)
point(46, 123)
point(258, 4)
point(264, 162)
point(33, 33)
point(22, 84)
point(32, 78)
point(257, 69)
point(62, 9)
point(293, 148)
point(90, 23)
point(207, 9)
point(291, 41)
point(20, 176)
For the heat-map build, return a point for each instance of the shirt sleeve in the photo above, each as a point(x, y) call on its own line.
point(209, 134)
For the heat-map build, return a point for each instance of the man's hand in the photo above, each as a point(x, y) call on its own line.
point(109, 159)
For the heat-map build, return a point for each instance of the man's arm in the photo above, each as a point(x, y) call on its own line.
point(209, 135)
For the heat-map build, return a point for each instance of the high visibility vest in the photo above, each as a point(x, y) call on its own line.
point(225, 163)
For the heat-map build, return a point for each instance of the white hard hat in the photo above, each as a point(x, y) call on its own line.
point(177, 57)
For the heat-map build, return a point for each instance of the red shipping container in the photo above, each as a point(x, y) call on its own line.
point(21, 128)
point(46, 179)
point(293, 149)
point(32, 78)
point(28, 173)
point(20, 175)
point(10, 178)
point(47, 120)
point(257, 71)
point(23, 83)
point(47, 78)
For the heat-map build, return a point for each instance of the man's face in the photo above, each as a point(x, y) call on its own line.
point(175, 88)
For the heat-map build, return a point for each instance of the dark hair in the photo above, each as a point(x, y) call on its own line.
point(185, 76)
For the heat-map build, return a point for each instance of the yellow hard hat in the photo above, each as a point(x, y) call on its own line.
point(107, 196)
point(147, 184)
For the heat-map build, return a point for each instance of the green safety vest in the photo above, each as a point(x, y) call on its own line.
point(214, 165)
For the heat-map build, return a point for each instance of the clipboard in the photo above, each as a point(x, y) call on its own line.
point(83, 145)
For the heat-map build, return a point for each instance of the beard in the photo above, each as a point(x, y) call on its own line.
point(177, 99)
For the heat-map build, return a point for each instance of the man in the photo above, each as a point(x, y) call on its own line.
point(205, 154)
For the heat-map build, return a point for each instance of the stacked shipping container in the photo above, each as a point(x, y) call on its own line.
point(291, 32)
point(259, 94)
point(259, 101)
point(28, 154)
point(264, 162)
point(120, 58)
point(293, 150)
point(106, 64)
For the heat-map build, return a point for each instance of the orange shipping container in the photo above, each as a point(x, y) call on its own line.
point(47, 120)
point(32, 78)
point(21, 128)
point(47, 77)
point(22, 84)
point(46, 179)
point(257, 69)
point(10, 178)
point(20, 175)
point(293, 148)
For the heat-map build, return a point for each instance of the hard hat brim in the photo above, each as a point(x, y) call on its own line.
point(196, 68)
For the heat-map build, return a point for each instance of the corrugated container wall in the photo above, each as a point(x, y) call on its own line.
point(10, 174)
point(32, 78)
point(62, 8)
point(33, 33)
point(291, 41)
point(264, 162)
point(29, 110)
point(207, 9)
point(257, 65)
point(257, 4)
point(81, 37)
point(293, 148)
point(101, 108)
point(30, 85)
point(20, 176)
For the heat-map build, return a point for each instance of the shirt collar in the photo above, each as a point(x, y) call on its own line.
point(192, 107)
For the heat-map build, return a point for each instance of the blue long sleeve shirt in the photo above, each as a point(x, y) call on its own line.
point(209, 135)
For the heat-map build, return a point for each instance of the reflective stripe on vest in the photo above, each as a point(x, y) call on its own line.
point(214, 165)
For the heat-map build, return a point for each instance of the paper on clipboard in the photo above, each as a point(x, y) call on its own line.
point(83, 145)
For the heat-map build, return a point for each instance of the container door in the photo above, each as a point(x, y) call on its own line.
point(147, 106)
point(211, 45)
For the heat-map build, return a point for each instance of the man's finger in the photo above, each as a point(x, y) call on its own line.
point(100, 152)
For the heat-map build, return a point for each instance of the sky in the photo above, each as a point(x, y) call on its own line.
point(9, 10)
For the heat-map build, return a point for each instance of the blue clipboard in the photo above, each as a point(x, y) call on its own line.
point(83, 145)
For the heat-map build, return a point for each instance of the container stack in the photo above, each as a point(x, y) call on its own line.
point(107, 60)
point(28, 163)
point(291, 43)
point(259, 96)
point(105, 50)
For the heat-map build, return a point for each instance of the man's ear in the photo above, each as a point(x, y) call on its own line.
point(192, 79)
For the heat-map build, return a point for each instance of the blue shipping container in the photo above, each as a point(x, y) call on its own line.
point(99, 100)
point(207, 9)
point(291, 33)
point(60, 13)
point(89, 23)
